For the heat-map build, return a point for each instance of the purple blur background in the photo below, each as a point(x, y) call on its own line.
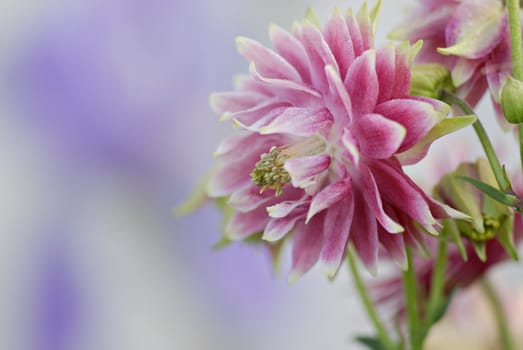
point(104, 129)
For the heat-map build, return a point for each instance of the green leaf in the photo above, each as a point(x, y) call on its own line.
point(372, 343)
point(492, 192)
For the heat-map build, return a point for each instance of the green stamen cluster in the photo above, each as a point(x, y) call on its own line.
point(490, 226)
point(269, 172)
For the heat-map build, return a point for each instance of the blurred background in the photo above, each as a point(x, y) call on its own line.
point(104, 129)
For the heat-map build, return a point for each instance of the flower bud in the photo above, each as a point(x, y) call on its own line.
point(512, 100)
point(430, 79)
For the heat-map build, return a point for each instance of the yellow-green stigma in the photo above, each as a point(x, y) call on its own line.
point(269, 172)
point(490, 226)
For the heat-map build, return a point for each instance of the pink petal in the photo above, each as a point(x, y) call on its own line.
point(364, 234)
point(378, 136)
point(251, 115)
point(234, 101)
point(483, 19)
point(295, 93)
point(355, 33)
point(243, 225)
point(351, 146)
point(362, 83)
point(233, 147)
point(306, 248)
point(401, 87)
point(398, 190)
point(319, 54)
point(395, 245)
point(329, 196)
point(263, 121)
point(338, 219)
point(464, 69)
point(248, 198)
point(269, 63)
point(365, 25)
point(338, 37)
point(291, 49)
point(371, 193)
point(227, 180)
point(303, 169)
point(299, 121)
point(341, 105)
point(418, 116)
point(385, 71)
point(277, 228)
point(284, 208)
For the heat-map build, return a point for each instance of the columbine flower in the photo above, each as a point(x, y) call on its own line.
point(481, 243)
point(325, 118)
point(489, 219)
point(470, 37)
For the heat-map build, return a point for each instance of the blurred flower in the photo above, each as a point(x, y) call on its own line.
point(480, 244)
point(470, 322)
point(470, 37)
point(323, 120)
point(489, 218)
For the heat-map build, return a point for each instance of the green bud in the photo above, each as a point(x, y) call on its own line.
point(512, 100)
point(430, 79)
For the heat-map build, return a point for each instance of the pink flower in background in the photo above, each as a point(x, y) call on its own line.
point(459, 273)
point(470, 37)
point(475, 245)
point(324, 119)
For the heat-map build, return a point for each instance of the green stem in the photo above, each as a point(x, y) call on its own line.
point(515, 38)
point(482, 135)
point(411, 301)
point(438, 280)
point(368, 304)
point(517, 56)
point(504, 332)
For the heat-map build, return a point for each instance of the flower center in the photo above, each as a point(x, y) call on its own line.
point(491, 226)
point(269, 171)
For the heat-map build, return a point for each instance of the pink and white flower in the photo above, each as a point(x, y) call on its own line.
point(470, 37)
point(324, 119)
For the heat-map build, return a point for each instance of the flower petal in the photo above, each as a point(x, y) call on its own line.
point(269, 63)
point(364, 234)
point(279, 227)
point(329, 196)
point(299, 121)
point(251, 115)
point(341, 105)
point(371, 194)
point(234, 101)
point(378, 136)
point(303, 169)
point(399, 191)
point(248, 198)
point(483, 19)
point(362, 83)
point(418, 115)
point(284, 208)
point(295, 93)
point(338, 37)
point(319, 53)
point(395, 246)
point(306, 248)
point(338, 219)
point(243, 225)
point(290, 48)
